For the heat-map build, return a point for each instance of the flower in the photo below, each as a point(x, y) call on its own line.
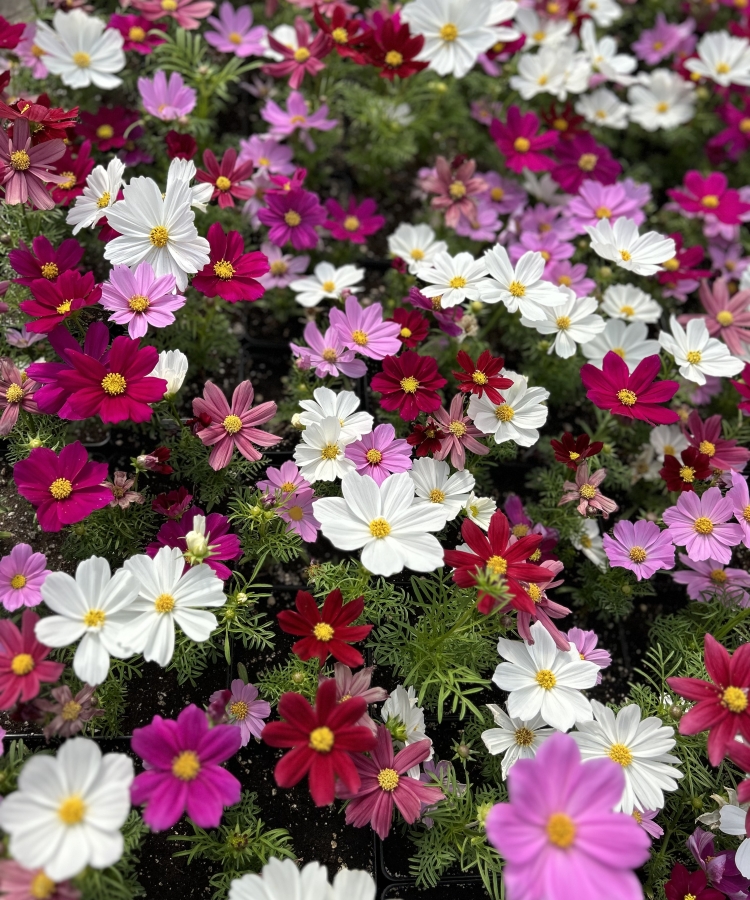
point(205, 539)
point(624, 301)
point(520, 288)
point(166, 100)
point(572, 322)
point(234, 33)
point(363, 330)
point(667, 440)
point(683, 883)
point(24, 170)
point(385, 522)
point(16, 393)
point(296, 116)
point(326, 353)
point(409, 383)
point(517, 419)
point(719, 866)
point(722, 58)
point(433, 483)
point(279, 877)
point(663, 99)
point(482, 378)
point(414, 327)
point(323, 739)
point(81, 50)
point(641, 547)
point(122, 496)
point(226, 177)
point(457, 188)
point(326, 630)
point(415, 244)
point(460, 434)
point(69, 712)
point(180, 146)
point(343, 406)
point(709, 577)
point(140, 34)
point(139, 299)
point(701, 525)
point(304, 58)
point(231, 273)
point(186, 13)
point(101, 192)
point(680, 475)
point(329, 281)
point(106, 128)
point(598, 201)
point(321, 452)
point(581, 159)
point(18, 883)
point(23, 667)
point(739, 495)
point(296, 510)
point(629, 342)
point(622, 244)
point(727, 317)
point(519, 142)
point(697, 354)
point(76, 796)
point(292, 216)
point(572, 451)
point(447, 319)
point(53, 302)
point(51, 398)
point(559, 823)
point(391, 47)
point(76, 165)
point(585, 643)
point(405, 721)
point(586, 491)
point(515, 738)
point(355, 223)
point(732, 817)
point(43, 260)
point(480, 510)
point(172, 367)
point(380, 453)
point(632, 395)
point(454, 278)
point(283, 267)
point(235, 425)
point(244, 709)
point(350, 684)
point(22, 575)
point(183, 772)
point(63, 488)
point(709, 197)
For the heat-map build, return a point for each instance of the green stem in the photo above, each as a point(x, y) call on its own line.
point(26, 223)
point(731, 625)
point(457, 626)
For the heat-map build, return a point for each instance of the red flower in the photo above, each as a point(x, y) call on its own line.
point(343, 32)
point(500, 558)
point(22, 661)
point(306, 58)
point(483, 377)
point(76, 165)
point(743, 388)
point(10, 35)
point(519, 142)
point(722, 705)
point(573, 450)
point(634, 396)
point(107, 127)
point(683, 884)
point(327, 630)
point(414, 327)
point(680, 267)
point(427, 438)
point(409, 384)
point(225, 177)
point(173, 504)
point(53, 302)
point(565, 121)
point(391, 47)
point(231, 273)
point(322, 739)
point(180, 146)
point(45, 123)
point(680, 476)
point(582, 159)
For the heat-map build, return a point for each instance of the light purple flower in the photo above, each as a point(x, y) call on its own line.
point(646, 820)
point(729, 259)
point(29, 54)
point(542, 219)
point(363, 330)
point(597, 201)
point(586, 642)
point(284, 267)
point(357, 684)
point(296, 117)
point(703, 393)
point(166, 100)
point(269, 156)
point(720, 866)
point(139, 299)
point(641, 547)
point(739, 496)
point(504, 194)
point(282, 481)
point(327, 354)
point(461, 434)
point(564, 274)
point(244, 709)
point(708, 577)
point(22, 338)
point(379, 453)
point(235, 33)
point(548, 244)
point(486, 226)
point(660, 42)
point(22, 574)
point(297, 512)
point(701, 525)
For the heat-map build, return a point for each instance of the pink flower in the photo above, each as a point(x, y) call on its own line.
point(23, 666)
point(380, 453)
point(597, 201)
point(166, 100)
point(519, 142)
point(582, 159)
point(29, 54)
point(226, 177)
point(283, 267)
point(267, 155)
point(547, 243)
point(586, 642)
point(457, 188)
point(505, 195)
point(327, 354)
point(244, 709)
point(24, 169)
point(140, 34)
point(186, 13)
point(292, 216)
point(139, 299)
point(235, 34)
point(385, 782)
point(559, 828)
point(632, 395)
point(43, 260)
point(660, 42)
point(64, 488)
point(282, 481)
point(710, 196)
point(22, 574)
point(708, 577)
point(221, 545)
point(564, 274)
point(297, 511)
point(701, 525)
point(16, 393)
point(545, 610)
point(303, 60)
point(706, 438)
point(486, 223)
point(728, 318)
point(461, 434)
point(69, 712)
point(355, 222)
point(363, 330)
point(231, 273)
point(17, 883)
point(641, 547)
point(357, 684)
point(234, 426)
point(297, 116)
point(120, 486)
point(739, 496)
point(586, 491)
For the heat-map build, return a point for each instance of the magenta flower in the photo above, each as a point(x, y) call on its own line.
point(707, 577)
point(357, 684)
point(231, 273)
point(701, 525)
point(660, 42)
point(292, 216)
point(710, 196)
point(244, 709)
point(380, 453)
point(585, 643)
point(734, 139)
point(23, 663)
point(305, 59)
point(727, 318)
point(564, 274)
point(140, 34)
point(297, 511)
point(22, 574)
point(457, 188)
point(186, 13)
point(283, 268)
point(52, 302)
point(220, 544)
point(166, 100)
point(519, 142)
point(460, 434)
point(559, 828)
point(17, 392)
point(139, 299)
point(633, 395)
point(641, 547)
point(597, 201)
point(43, 260)
point(184, 771)
point(18, 883)
point(235, 425)
point(282, 481)
point(235, 34)
point(740, 498)
point(327, 353)
point(363, 330)
point(581, 159)
point(268, 156)
point(24, 169)
point(355, 222)
point(706, 438)
point(119, 487)
point(296, 117)
point(63, 488)
point(586, 491)
point(385, 782)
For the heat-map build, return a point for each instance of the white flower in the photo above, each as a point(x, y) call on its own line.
point(480, 510)
point(668, 440)
point(517, 738)
point(184, 170)
point(722, 58)
point(731, 821)
point(520, 288)
point(343, 406)
point(640, 747)
point(282, 880)
point(630, 342)
point(172, 366)
point(603, 12)
point(544, 188)
point(540, 73)
point(320, 453)
point(541, 32)
point(434, 484)
point(94, 606)
point(405, 721)
point(625, 301)
point(168, 596)
point(100, 193)
point(623, 245)
point(158, 229)
point(662, 100)
point(455, 32)
point(454, 278)
point(645, 465)
point(603, 107)
point(590, 543)
point(603, 56)
point(81, 50)
point(518, 419)
point(68, 810)
point(503, 11)
point(415, 244)
point(327, 281)
point(385, 522)
point(697, 353)
point(572, 323)
point(542, 680)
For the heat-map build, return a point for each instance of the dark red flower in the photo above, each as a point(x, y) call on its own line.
point(409, 383)
point(391, 47)
point(483, 377)
point(231, 273)
point(10, 35)
point(43, 260)
point(226, 177)
point(46, 123)
point(582, 159)
point(76, 165)
point(428, 438)
point(573, 450)
point(632, 395)
point(53, 302)
point(681, 266)
point(180, 146)
point(326, 630)
point(682, 475)
point(414, 327)
point(323, 739)
point(345, 33)
point(743, 388)
point(173, 504)
point(156, 461)
point(683, 885)
point(107, 126)
point(565, 121)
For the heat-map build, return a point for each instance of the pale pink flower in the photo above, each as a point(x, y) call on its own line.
point(461, 434)
point(586, 491)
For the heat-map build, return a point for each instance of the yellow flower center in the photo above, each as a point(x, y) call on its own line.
point(388, 779)
point(457, 428)
point(301, 54)
point(619, 753)
point(588, 162)
point(103, 202)
point(379, 528)
point(17, 582)
point(457, 282)
point(373, 456)
point(560, 830)
point(671, 265)
point(72, 810)
point(114, 384)
point(603, 212)
point(457, 190)
point(70, 711)
point(164, 603)
point(321, 740)
point(627, 310)
point(295, 513)
point(223, 183)
point(64, 307)
point(662, 107)
point(724, 318)
point(287, 486)
point(14, 393)
point(522, 145)
point(587, 491)
point(359, 337)
point(744, 126)
point(626, 397)
point(563, 322)
point(694, 357)
point(42, 887)
point(351, 223)
point(340, 35)
point(330, 451)
point(158, 235)
point(535, 592)
point(239, 709)
point(586, 542)
point(50, 271)
point(37, 51)
point(516, 289)
point(718, 576)
point(409, 384)
point(235, 38)
point(137, 34)
point(687, 474)
point(186, 766)
point(223, 269)
point(82, 60)
point(107, 131)
point(405, 332)
point(393, 59)
point(297, 120)
point(169, 5)
point(323, 632)
point(22, 664)
point(279, 267)
point(524, 737)
point(735, 699)
point(637, 554)
point(497, 565)
point(546, 679)
point(437, 496)
point(69, 183)
point(94, 618)
point(479, 377)
point(497, 194)
point(746, 513)
point(232, 424)
point(329, 355)
point(20, 160)
point(703, 525)
point(449, 32)
point(292, 218)
point(625, 256)
point(138, 303)
point(436, 302)
point(710, 201)
point(61, 488)
point(504, 413)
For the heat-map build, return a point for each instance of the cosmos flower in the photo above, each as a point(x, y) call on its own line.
point(230, 273)
point(702, 526)
point(81, 50)
point(409, 383)
point(138, 298)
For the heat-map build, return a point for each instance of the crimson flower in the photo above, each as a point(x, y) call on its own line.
point(344, 32)
point(355, 222)
point(226, 177)
point(743, 389)
point(76, 165)
point(323, 739)
point(156, 461)
point(173, 504)
point(681, 266)
point(391, 47)
point(10, 35)
point(573, 450)
point(683, 884)
point(326, 630)
point(722, 703)
point(23, 666)
point(53, 302)
point(565, 121)
point(107, 126)
point(518, 141)
point(632, 395)
point(180, 146)
point(681, 475)
point(46, 123)
point(414, 327)
point(409, 383)
point(231, 273)
point(305, 59)
point(724, 454)
point(427, 438)
point(43, 260)
point(582, 159)
point(482, 378)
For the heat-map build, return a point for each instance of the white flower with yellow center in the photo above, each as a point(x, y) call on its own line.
point(384, 522)
point(480, 510)
point(696, 353)
point(343, 406)
point(544, 681)
point(722, 58)
point(663, 99)
point(518, 419)
point(541, 73)
point(81, 50)
point(641, 747)
point(416, 245)
point(93, 607)
point(283, 880)
point(172, 367)
point(327, 282)
point(521, 287)
point(603, 12)
point(405, 720)
point(603, 56)
point(68, 810)
point(590, 543)
point(603, 107)
point(541, 32)
point(629, 342)
point(621, 243)
point(625, 301)
point(667, 440)
point(184, 170)
point(454, 278)
point(574, 322)
point(159, 229)
point(320, 453)
point(100, 193)
point(516, 738)
point(434, 484)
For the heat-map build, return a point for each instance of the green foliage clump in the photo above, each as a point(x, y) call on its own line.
point(118, 882)
point(113, 533)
